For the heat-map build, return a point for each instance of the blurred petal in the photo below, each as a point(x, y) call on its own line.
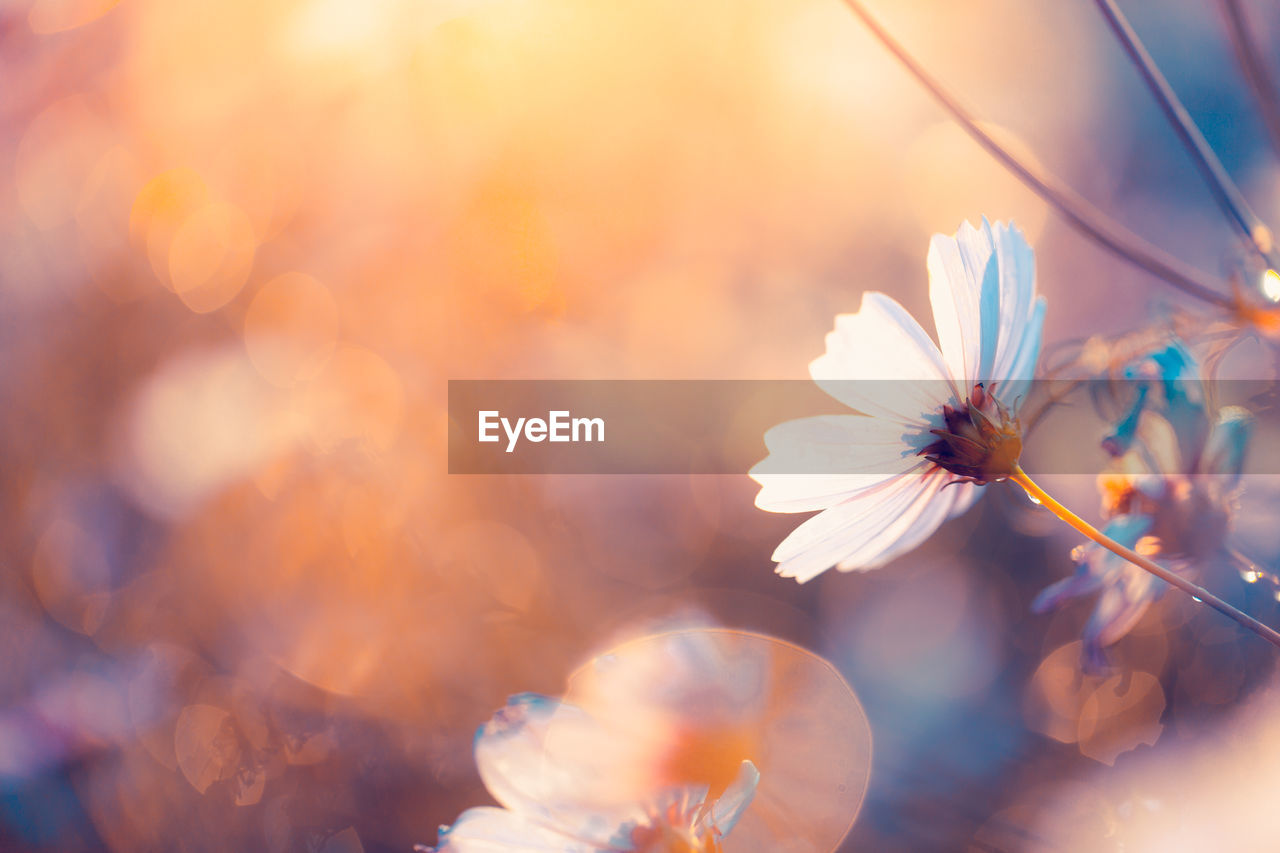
point(726, 811)
point(1120, 439)
point(1158, 445)
point(1053, 596)
point(558, 787)
point(509, 748)
point(1126, 590)
point(731, 696)
point(1122, 604)
point(1224, 452)
point(1177, 373)
point(490, 830)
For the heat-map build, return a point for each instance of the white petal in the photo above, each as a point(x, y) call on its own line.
point(490, 830)
point(1015, 377)
point(1021, 315)
point(816, 462)
point(1017, 265)
point(726, 811)
point(920, 521)
point(842, 532)
point(545, 760)
point(880, 362)
point(509, 750)
point(989, 321)
point(964, 290)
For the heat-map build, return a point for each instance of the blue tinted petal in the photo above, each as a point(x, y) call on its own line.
point(1119, 608)
point(1053, 596)
point(1118, 442)
point(726, 811)
point(1228, 442)
point(509, 750)
point(515, 759)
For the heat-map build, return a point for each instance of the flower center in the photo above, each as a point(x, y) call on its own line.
point(980, 442)
point(663, 837)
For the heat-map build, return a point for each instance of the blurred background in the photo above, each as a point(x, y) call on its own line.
point(244, 245)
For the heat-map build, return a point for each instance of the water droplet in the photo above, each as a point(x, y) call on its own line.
point(1035, 500)
point(1250, 576)
point(1197, 600)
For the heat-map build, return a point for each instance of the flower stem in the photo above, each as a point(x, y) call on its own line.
point(1254, 67)
point(1223, 189)
point(1198, 593)
point(1083, 216)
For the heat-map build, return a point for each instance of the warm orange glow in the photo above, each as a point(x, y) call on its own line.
point(244, 246)
point(291, 328)
point(706, 754)
point(52, 16)
point(160, 209)
point(210, 256)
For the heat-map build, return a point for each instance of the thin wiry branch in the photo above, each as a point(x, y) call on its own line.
point(1082, 215)
point(1254, 68)
point(1223, 189)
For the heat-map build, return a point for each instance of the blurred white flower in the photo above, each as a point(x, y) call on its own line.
point(938, 418)
point(654, 746)
point(546, 762)
point(1170, 492)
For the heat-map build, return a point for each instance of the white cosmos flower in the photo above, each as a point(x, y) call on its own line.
point(935, 419)
point(560, 774)
point(653, 749)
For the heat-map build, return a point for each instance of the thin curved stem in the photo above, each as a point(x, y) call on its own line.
point(1083, 216)
point(1254, 68)
point(1198, 593)
point(1223, 189)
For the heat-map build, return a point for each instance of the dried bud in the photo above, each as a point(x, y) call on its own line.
point(981, 441)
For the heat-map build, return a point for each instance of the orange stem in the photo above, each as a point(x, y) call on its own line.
point(1198, 593)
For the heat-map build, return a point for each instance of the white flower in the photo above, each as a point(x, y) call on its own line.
point(653, 749)
point(937, 419)
point(548, 763)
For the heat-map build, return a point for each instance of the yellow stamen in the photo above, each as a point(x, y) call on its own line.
point(1046, 500)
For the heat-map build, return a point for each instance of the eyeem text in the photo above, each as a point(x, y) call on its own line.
point(558, 426)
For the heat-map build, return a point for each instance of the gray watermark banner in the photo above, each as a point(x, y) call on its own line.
point(719, 426)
